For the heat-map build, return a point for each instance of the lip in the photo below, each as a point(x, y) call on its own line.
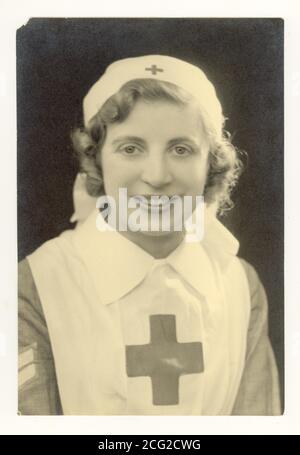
point(150, 196)
point(154, 203)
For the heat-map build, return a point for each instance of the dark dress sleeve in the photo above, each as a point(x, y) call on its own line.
point(258, 392)
point(38, 391)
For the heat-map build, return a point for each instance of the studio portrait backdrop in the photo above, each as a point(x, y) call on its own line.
point(59, 59)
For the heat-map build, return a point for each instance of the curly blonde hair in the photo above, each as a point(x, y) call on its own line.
point(224, 165)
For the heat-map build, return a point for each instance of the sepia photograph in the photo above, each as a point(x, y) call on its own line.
point(150, 192)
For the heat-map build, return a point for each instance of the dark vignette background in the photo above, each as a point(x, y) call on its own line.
point(59, 59)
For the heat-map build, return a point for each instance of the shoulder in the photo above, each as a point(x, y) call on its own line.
point(259, 303)
point(59, 253)
point(254, 282)
point(258, 324)
point(29, 302)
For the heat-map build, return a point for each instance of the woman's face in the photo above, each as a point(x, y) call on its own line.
point(160, 149)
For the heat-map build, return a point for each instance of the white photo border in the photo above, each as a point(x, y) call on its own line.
point(13, 15)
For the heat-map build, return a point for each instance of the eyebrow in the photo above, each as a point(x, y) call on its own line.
point(128, 139)
point(142, 141)
point(186, 139)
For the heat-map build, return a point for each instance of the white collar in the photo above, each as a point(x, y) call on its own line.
point(117, 265)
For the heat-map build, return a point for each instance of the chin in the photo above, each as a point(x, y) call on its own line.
point(159, 233)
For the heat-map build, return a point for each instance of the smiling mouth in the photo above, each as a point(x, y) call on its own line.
point(156, 201)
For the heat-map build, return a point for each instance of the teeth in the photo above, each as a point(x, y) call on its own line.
point(154, 202)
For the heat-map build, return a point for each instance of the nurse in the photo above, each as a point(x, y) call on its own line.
point(124, 318)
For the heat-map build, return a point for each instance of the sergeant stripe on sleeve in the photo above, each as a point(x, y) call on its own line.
point(27, 367)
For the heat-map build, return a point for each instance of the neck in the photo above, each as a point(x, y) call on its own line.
point(158, 246)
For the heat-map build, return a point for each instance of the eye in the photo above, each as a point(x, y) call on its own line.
point(182, 150)
point(129, 149)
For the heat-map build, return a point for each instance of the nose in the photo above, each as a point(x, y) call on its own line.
point(156, 172)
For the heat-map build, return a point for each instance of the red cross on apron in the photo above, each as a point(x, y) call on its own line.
point(164, 359)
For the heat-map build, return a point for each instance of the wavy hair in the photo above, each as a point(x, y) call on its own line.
point(224, 165)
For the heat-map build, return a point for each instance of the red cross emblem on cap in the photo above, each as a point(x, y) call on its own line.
point(164, 359)
point(154, 69)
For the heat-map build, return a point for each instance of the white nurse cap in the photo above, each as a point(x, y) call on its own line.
point(160, 67)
